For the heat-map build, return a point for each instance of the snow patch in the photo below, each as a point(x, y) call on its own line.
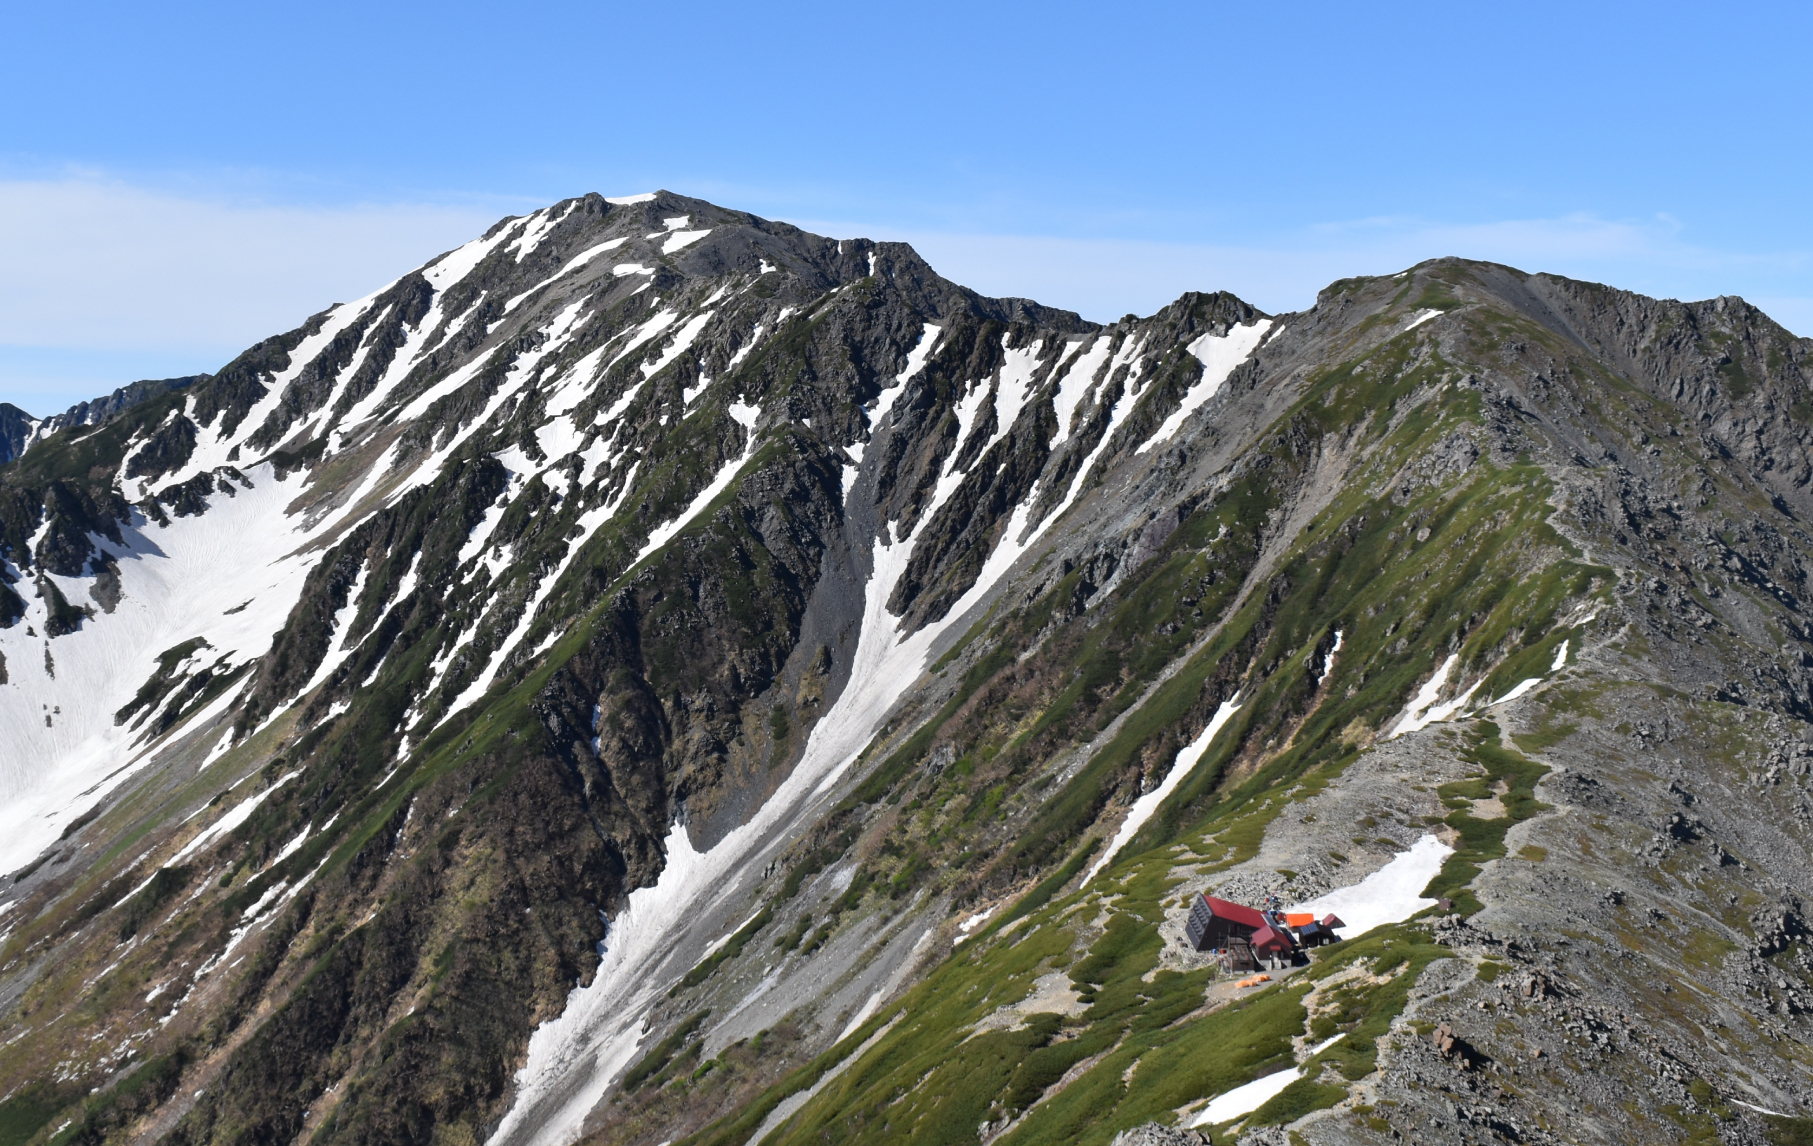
point(1219, 356)
point(573, 1059)
point(680, 240)
point(239, 815)
point(665, 533)
point(1013, 384)
point(589, 523)
point(587, 255)
point(655, 325)
point(1523, 686)
point(1529, 683)
point(1074, 385)
point(969, 925)
point(1422, 711)
point(916, 359)
point(1187, 758)
point(176, 580)
point(755, 337)
point(1390, 895)
point(683, 340)
point(1246, 1099)
point(540, 223)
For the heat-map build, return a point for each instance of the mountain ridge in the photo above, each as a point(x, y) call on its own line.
point(19, 430)
point(668, 651)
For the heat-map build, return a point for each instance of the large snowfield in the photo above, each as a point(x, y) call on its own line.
point(229, 576)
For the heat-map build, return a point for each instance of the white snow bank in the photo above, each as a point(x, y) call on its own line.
point(1528, 683)
point(659, 322)
point(1522, 687)
point(683, 340)
point(179, 582)
point(1218, 356)
point(1422, 711)
point(680, 240)
point(1422, 316)
point(1018, 367)
point(629, 200)
point(1390, 895)
point(1077, 380)
point(916, 358)
point(1187, 758)
point(1246, 1099)
point(1080, 480)
point(539, 224)
point(587, 255)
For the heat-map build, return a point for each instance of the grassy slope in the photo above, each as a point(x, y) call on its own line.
point(1490, 581)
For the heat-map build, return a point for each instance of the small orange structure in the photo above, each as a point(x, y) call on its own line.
point(1254, 981)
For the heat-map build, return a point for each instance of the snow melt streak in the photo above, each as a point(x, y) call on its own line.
point(1187, 758)
point(1219, 356)
point(574, 1059)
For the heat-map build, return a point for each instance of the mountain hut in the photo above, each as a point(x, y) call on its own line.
point(1216, 923)
point(1273, 942)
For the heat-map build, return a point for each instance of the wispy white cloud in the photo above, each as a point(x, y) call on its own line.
point(102, 281)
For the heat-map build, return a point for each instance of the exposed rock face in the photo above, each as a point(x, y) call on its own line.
point(15, 430)
point(19, 431)
point(654, 672)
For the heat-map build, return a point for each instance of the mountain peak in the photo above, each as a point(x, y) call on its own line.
point(654, 673)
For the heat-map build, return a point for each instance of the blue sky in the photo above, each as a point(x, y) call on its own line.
point(177, 181)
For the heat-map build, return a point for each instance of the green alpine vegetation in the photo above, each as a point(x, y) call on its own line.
point(658, 676)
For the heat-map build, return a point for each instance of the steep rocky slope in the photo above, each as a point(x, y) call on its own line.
point(19, 431)
point(654, 673)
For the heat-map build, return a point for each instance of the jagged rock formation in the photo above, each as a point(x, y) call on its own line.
point(15, 429)
point(19, 430)
point(653, 673)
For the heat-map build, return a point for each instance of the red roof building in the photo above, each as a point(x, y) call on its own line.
point(1216, 923)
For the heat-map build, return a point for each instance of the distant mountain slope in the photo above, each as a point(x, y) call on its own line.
point(15, 428)
point(653, 673)
point(18, 430)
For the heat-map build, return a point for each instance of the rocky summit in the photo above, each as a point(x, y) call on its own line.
point(655, 675)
